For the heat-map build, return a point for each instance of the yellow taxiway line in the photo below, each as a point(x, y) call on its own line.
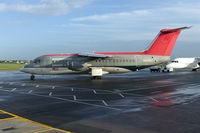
point(40, 130)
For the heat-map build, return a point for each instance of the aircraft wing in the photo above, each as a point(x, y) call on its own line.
point(94, 55)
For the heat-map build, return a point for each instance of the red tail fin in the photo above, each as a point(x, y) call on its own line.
point(165, 41)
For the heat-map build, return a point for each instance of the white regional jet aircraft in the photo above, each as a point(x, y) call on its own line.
point(100, 63)
point(183, 63)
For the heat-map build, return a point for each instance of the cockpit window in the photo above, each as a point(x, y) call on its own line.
point(174, 61)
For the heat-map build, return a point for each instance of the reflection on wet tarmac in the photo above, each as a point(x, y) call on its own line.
point(127, 100)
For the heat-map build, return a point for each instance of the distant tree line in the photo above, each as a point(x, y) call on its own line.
point(15, 61)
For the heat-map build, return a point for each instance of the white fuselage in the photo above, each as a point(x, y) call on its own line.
point(183, 63)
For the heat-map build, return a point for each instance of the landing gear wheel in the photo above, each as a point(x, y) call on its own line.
point(32, 77)
point(194, 70)
point(96, 77)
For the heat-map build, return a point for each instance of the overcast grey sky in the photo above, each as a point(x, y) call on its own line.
point(35, 27)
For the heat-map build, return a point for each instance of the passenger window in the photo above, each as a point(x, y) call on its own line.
point(174, 61)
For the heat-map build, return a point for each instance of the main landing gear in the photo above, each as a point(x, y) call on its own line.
point(96, 73)
point(96, 77)
point(32, 77)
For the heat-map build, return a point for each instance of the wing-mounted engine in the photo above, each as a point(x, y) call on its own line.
point(78, 66)
point(77, 63)
point(80, 62)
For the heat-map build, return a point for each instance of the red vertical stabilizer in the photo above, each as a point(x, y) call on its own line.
point(164, 42)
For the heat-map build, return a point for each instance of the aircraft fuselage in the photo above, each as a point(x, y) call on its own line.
point(72, 64)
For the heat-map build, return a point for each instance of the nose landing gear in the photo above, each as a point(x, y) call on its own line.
point(32, 77)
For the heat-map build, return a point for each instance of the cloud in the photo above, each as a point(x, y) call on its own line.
point(159, 14)
point(111, 16)
point(144, 23)
point(14, 23)
point(46, 7)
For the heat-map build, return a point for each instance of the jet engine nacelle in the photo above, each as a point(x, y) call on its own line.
point(77, 66)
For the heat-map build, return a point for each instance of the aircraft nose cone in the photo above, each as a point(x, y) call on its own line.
point(25, 69)
point(22, 69)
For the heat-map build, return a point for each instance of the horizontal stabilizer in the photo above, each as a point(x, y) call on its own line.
point(174, 30)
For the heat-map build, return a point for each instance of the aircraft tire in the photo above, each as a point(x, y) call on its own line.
point(32, 77)
point(96, 77)
point(194, 70)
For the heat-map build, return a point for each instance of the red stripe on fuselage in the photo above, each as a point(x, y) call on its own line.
point(60, 54)
point(122, 53)
point(103, 53)
point(113, 53)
